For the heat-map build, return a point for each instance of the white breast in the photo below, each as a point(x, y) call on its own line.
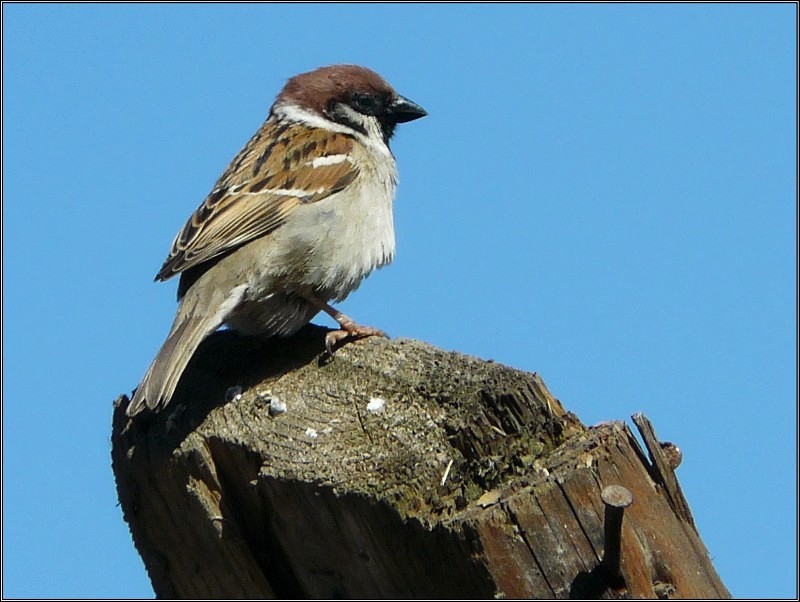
point(342, 238)
point(357, 232)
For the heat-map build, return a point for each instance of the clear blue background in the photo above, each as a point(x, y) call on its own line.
point(604, 194)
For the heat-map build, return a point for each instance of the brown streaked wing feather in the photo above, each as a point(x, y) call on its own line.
point(244, 203)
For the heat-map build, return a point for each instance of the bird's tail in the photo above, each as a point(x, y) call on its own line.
point(161, 379)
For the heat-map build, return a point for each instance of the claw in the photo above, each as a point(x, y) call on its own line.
point(333, 337)
point(350, 329)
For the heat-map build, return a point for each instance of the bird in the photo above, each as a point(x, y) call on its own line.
point(299, 218)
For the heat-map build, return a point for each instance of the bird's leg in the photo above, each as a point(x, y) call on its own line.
point(349, 327)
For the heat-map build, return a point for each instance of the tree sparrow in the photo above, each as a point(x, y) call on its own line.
point(301, 215)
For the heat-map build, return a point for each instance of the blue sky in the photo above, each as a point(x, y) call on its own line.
point(604, 194)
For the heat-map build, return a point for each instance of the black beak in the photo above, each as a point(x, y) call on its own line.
point(403, 110)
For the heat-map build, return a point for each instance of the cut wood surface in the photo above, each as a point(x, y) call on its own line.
point(392, 470)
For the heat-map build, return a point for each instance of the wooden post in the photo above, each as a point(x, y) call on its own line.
point(393, 470)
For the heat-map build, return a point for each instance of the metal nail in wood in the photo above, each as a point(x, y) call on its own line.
point(616, 498)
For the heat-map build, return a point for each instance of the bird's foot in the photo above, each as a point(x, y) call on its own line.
point(349, 330)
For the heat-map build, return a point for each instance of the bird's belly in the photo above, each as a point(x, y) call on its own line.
point(276, 313)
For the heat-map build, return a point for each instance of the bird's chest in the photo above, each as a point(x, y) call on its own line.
point(357, 233)
point(339, 240)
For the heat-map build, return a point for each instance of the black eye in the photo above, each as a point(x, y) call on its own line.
point(368, 104)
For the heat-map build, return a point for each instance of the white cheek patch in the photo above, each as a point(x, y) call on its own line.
point(294, 113)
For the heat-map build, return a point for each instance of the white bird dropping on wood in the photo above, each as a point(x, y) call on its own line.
point(376, 404)
point(276, 406)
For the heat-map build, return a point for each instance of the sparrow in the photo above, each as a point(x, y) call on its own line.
point(299, 218)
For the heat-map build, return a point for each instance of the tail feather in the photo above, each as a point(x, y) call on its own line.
point(201, 312)
point(163, 375)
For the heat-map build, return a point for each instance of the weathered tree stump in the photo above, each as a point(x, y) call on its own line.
point(393, 470)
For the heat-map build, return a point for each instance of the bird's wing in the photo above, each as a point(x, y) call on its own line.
point(284, 165)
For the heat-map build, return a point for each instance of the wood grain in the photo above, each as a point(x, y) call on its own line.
point(462, 479)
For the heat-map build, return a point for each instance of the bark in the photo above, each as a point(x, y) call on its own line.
point(392, 470)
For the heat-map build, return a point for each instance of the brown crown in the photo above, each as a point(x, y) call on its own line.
point(316, 89)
